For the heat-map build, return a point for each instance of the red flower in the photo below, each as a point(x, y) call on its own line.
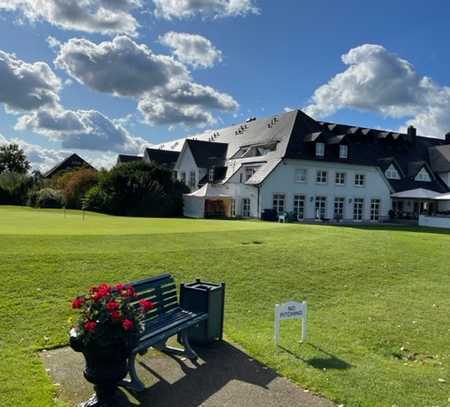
point(90, 326)
point(120, 287)
point(116, 315)
point(147, 305)
point(101, 291)
point(78, 302)
point(112, 305)
point(130, 291)
point(127, 325)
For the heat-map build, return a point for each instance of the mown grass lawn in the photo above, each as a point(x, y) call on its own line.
point(379, 298)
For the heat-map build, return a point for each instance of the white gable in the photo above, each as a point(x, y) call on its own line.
point(392, 173)
point(423, 175)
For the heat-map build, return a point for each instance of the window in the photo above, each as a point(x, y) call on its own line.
point(339, 208)
point(192, 179)
point(375, 210)
point(321, 177)
point(358, 207)
point(249, 171)
point(300, 175)
point(278, 202)
point(320, 149)
point(246, 207)
point(340, 178)
point(321, 207)
point(392, 173)
point(360, 180)
point(183, 177)
point(211, 175)
point(423, 175)
point(233, 208)
point(343, 152)
point(299, 206)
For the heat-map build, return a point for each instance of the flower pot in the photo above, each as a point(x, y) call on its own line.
point(106, 366)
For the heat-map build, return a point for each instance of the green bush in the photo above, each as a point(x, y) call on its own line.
point(47, 198)
point(96, 200)
point(14, 188)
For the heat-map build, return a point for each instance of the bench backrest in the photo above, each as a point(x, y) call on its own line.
point(161, 290)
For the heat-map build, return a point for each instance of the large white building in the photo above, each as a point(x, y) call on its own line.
point(309, 169)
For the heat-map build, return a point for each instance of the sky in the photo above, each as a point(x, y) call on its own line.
point(102, 77)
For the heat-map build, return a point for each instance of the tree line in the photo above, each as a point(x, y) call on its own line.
point(131, 189)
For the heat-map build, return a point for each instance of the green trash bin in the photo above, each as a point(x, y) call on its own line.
point(201, 296)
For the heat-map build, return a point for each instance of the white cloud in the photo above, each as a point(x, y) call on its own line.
point(163, 86)
point(82, 129)
point(121, 66)
point(27, 86)
point(94, 16)
point(192, 49)
point(170, 9)
point(379, 81)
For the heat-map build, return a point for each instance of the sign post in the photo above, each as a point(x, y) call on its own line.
point(291, 310)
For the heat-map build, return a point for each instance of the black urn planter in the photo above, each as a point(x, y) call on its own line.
point(105, 367)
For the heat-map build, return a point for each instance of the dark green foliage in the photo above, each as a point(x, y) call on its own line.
point(46, 198)
point(13, 159)
point(137, 189)
point(14, 188)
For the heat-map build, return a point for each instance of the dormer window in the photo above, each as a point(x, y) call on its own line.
point(423, 176)
point(343, 151)
point(320, 149)
point(211, 175)
point(392, 173)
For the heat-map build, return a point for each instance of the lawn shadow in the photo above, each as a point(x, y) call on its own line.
point(328, 361)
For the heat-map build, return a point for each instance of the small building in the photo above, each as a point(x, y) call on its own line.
point(70, 163)
point(161, 157)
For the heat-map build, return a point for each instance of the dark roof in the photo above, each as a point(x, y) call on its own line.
point(125, 158)
point(206, 153)
point(165, 158)
point(440, 158)
point(369, 147)
point(70, 163)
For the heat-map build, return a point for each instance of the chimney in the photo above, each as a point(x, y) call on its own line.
point(447, 138)
point(412, 134)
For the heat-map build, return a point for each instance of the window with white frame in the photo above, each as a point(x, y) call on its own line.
point(211, 175)
point(299, 206)
point(358, 208)
point(278, 202)
point(300, 175)
point(375, 210)
point(423, 176)
point(321, 207)
point(246, 207)
point(233, 208)
point(339, 203)
point(183, 177)
point(343, 151)
point(320, 149)
point(392, 173)
point(321, 177)
point(360, 180)
point(340, 178)
point(192, 179)
point(249, 171)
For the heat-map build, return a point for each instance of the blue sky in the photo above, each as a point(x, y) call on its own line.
point(249, 58)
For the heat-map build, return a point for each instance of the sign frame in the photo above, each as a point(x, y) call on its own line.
point(291, 310)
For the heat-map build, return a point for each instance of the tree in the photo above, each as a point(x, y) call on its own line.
point(13, 159)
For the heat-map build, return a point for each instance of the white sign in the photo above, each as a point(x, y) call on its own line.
point(291, 310)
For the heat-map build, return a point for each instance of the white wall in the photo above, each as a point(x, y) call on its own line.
point(186, 164)
point(434, 221)
point(282, 180)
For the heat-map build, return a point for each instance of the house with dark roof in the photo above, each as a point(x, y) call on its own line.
point(70, 163)
point(163, 158)
point(314, 170)
point(126, 158)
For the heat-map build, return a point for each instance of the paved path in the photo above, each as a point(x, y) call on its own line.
point(223, 377)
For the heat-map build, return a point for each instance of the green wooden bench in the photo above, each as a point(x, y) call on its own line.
point(162, 322)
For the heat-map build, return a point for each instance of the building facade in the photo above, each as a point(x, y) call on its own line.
point(311, 170)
